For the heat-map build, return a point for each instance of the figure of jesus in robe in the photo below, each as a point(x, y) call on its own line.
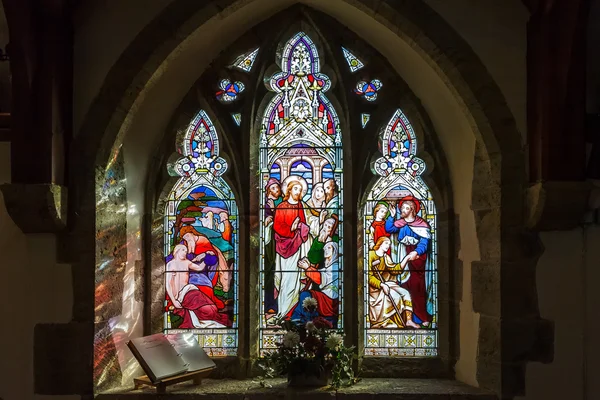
point(413, 236)
point(292, 242)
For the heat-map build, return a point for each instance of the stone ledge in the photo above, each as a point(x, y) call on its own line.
point(36, 208)
point(366, 389)
point(557, 205)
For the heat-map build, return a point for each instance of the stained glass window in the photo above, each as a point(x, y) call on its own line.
point(364, 119)
point(368, 89)
point(201, 245)
point(229, 91)
point(245, 61)
point(237, 118)
point(300, 195)
point(400, 247)
point(353, 62)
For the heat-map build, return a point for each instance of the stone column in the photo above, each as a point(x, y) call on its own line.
point(40, 51)
point(285, 167)
point(318, 170)
point(556, 54)
point(556, 112)
point(41, 62)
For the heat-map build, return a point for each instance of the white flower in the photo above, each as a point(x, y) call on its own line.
point(309, 302)
point(310, 326)
point(291, 339)
point(333, 341)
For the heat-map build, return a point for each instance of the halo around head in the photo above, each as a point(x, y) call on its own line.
point(294, 179)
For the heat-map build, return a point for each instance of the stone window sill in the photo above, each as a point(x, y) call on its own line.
point(366, 389)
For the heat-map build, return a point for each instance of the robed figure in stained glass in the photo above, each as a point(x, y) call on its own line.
point(200, 246)
point(390, 305)
point(320, 268)
point(300, 149)
point(412, 234)
point(272, 200)
point(189, 302)
point(400, 250)
point(292, 242)
point(377, 229)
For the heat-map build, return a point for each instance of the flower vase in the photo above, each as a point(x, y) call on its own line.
point(308, 373)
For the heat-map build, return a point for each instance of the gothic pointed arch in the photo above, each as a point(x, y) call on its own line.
point(132, 81)
point(400, 248)
point(301, 173)
point(201, 244)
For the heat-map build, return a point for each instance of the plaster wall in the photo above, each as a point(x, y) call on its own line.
point(104, 29)
point(567, 274)
point(35, 289)
point(592, 323)
point(497, 32)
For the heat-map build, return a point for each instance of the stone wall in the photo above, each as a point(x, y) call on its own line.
point(143, 102)
point(37, 296)
point(133, 94)
point(448, 118)
point(566, 278)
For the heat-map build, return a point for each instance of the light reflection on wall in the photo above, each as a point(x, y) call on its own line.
point(118, 300)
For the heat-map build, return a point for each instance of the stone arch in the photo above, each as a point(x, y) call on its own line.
point(459, 78)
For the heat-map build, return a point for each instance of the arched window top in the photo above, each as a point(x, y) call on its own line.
point(200, 149)
point(398, 145)
point(398, 141)
point(300, 111)
point(300, 56)
point(301, 191)
point(201, 244)
point(400, 250)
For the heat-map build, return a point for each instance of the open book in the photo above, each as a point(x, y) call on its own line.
point(162, 356)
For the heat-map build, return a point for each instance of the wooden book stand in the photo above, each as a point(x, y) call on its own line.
point(161, 386)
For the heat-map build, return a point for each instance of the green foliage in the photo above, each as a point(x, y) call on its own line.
point(310, 351)
point(342, 373)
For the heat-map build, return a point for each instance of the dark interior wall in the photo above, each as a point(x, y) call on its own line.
point(593, 61)
point(100, 54)
point(5, 79)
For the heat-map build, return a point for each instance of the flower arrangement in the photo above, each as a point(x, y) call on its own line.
point(310, 352)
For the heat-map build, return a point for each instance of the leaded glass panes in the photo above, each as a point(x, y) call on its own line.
point(245, 61)
point(400, 247)
point(368, 90)
point(364, 119)
point(229, 90)
point(237, 118)
point(353, 62)
point(201, 245)
point(300, 195)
